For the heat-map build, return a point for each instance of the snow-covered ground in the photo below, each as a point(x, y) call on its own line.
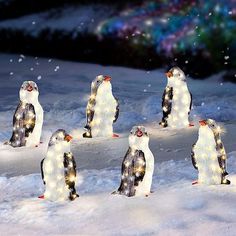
point(175, 207)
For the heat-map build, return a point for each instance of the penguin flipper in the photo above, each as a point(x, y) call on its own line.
point(89, 117)
point(70, 174)
point(221, 156)
point(166, 105)
point(127, 175)
point(30, 118)
point(18, 138)
point(23, 124)
point(42, 173)
point(139, 167)
point(194, 161)
point(191, 102)
point(117, 110)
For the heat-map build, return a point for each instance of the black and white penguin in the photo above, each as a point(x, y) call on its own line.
point(28, 117)
point(137, 166)
point(58, 168)
point(176, 100)
point(102, 109)
point(208, 154)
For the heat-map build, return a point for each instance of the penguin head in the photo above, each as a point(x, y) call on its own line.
point(138, 137)
point(29, 92)
point(209, 125)
point(175, 76)
point(60, 138)
point(102, 83)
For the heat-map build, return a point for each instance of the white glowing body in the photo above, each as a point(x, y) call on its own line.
point(32, 98)
point(54, 176)
point(209, 171)
point(179, 117)
point(141, 143)
point(104, 111)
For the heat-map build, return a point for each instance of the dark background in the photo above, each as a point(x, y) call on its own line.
point(132, 33)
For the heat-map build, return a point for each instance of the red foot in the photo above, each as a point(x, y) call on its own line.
point(191, 125)
point(41, 197)
point(115, 136)
point(194, 182)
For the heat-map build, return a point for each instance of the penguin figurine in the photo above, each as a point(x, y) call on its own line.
point(208, 155)
point(137, 166)
point(58, 168)
point(176, 100)
point(102, 109)
point(28, 117)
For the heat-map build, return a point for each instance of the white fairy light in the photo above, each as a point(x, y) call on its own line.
point(72, 178)
point(164, 109)
point(127, 163)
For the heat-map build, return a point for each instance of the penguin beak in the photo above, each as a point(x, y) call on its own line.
point(169, 74)
point(203, 122)
point(29, 88)
point(139, 133)
point(107, 78)
point(68, 138)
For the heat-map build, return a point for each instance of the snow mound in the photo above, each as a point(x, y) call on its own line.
point(175, 207)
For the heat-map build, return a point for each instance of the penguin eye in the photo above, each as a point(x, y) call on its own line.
point(146, 133)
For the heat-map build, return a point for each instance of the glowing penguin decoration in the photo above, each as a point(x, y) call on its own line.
point(58, 169)
point(102, 109)
point(209, 156)
point(138, 165)
point(28, 117)
point(176, 100)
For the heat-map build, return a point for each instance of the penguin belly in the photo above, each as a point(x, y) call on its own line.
point(179, 115)
point(104, 113)
point(209, 171)
point(144, 187)
point(34, 137)
point(56, 189)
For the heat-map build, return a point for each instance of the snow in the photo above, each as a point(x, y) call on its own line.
point(176, 207)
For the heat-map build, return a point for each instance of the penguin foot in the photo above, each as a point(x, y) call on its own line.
point(72, 197)
point(41, 197)
point(114, 192)
point(163, 124)
point(226, 181)
point(195, 182)
point(115, 136)
point(87, 135)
